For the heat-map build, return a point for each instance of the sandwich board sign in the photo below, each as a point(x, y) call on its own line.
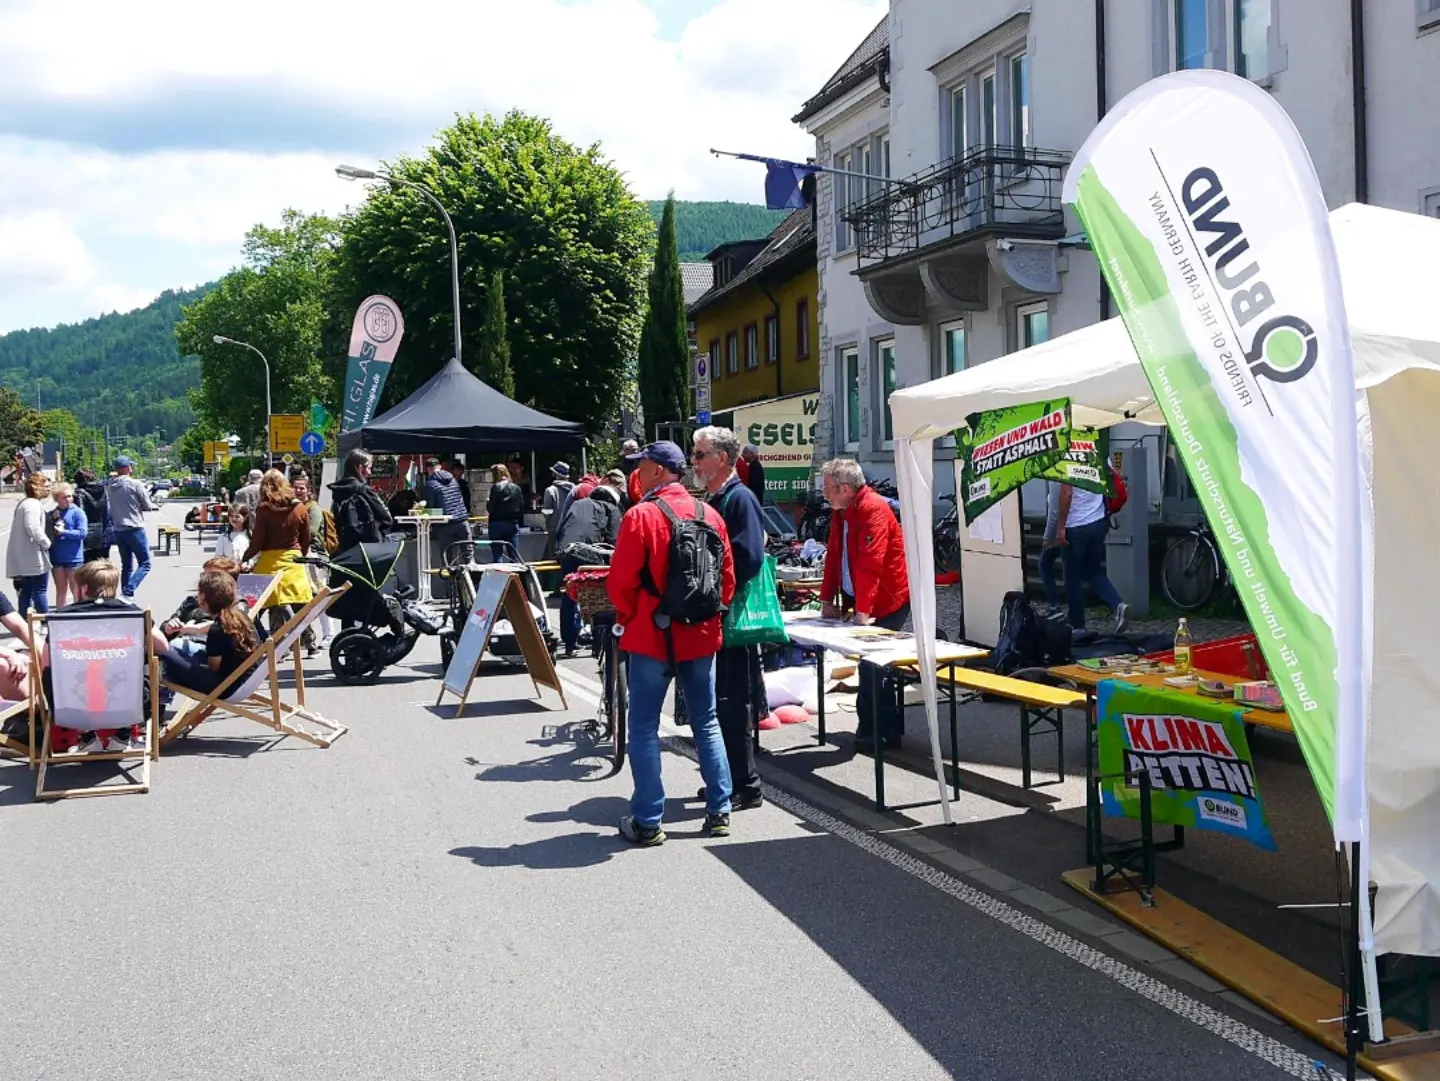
point(500, 595)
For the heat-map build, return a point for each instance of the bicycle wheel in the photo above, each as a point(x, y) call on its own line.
point(1189, 572)
point(620, 704)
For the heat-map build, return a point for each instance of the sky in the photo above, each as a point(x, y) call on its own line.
point(140, 140)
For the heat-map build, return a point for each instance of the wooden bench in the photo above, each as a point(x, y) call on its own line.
point(1040, 704)
point(167, 536)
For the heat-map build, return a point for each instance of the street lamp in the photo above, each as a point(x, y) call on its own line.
point(351, 172)
point(220, 339)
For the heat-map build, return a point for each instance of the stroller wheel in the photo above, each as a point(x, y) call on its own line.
point(355, 657)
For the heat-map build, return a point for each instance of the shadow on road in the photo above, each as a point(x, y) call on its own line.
point(552, 854)
point(506, 708)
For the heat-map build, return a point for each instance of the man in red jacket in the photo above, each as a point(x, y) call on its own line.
point(637, 570)
point(865, 579)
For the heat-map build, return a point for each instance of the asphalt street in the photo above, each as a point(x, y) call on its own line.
point(445, 897)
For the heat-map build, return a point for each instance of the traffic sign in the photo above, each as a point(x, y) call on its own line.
point(312, 443)
point(288, 459)
point(702, 416)
point(217, 452)
point(285, 432)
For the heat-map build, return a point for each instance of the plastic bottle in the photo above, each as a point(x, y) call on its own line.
point(1183, 643)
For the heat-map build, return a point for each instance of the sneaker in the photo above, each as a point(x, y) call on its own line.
point(93, 745)
point(717, 825)
point(644, 836)
point(1120, 614)
point(739, 801)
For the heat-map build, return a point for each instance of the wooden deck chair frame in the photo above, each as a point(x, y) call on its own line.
point(42, 718)
point(8, 745)
point(263, 596)
point(262, 667)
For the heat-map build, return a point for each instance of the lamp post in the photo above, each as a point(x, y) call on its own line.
point(220, 339)
point(351, 172)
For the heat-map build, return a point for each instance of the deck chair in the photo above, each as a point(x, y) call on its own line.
point(99, 663)
point(255, 590)
point(9, 745)
point(253, 690)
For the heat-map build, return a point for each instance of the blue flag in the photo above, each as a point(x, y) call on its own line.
point(784, 181)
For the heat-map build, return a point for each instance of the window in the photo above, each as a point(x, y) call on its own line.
point(850, 368)
point(1427, 14)
point(1032, 324)
point(772, 339)
point(843, 237)
point(989, 125)
point(885, 362)
point(732, 354)
point(752, 347)
point(1020, 100)
point(870, 158)
point(1192, 34)
point(1430, 201)
point(1252, 38)
point(802, 329)
point(715, 360)
point(952, 348)
point(959, 123)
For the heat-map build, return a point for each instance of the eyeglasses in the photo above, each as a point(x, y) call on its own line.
point(700, 455)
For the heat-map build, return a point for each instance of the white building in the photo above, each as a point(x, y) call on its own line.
point(978, 108)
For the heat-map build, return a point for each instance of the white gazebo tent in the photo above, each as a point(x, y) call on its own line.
point(1391, 279)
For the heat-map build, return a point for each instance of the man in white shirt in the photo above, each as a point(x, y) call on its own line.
point(1080, 534)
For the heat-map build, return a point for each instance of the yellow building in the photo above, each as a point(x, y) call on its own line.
point(760, 321)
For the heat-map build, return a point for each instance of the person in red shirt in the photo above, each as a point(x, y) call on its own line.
point(865, 580)
point(644, 546)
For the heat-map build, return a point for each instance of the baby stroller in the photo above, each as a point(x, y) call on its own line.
point(381, 618)
point(464, 574)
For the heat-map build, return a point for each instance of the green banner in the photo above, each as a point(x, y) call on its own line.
point(1195, 753)
point(1003, 448)
point(1086, 463)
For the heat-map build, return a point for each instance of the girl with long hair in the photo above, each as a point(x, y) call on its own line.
point(228, 644)
point(233, 542)
point(281, 536)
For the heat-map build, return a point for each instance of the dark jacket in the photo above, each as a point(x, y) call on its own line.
point(442, 491)
point(91, 499)
point(592, 520)
point(741, 510)
point(360, 513)
point(506, 503)
point(755, 479)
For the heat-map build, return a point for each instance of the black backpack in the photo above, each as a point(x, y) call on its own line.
point(694, 581)
point(1026, 640)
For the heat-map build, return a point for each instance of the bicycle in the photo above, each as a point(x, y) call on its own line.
point(947, 535)
point(1192, 572)
point(614, 703)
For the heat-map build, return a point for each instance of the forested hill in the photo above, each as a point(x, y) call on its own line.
point(124, 370)
point(701, 227)
point(120, 370)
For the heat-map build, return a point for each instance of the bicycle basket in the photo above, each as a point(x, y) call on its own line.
point(587, 589)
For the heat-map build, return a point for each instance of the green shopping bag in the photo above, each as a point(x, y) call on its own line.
point(754, 617)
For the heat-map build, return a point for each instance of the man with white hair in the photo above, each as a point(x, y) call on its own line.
point(866, 580)
point(737, 668)
point(249, 496)
point(754, 471)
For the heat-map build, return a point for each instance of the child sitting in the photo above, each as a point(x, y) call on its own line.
point(187, 626)
point(228, 644)
point(96, 586)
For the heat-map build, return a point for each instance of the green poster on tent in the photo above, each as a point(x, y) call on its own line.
point(1086, 463)
point(1003, 448)
point(1194, 752)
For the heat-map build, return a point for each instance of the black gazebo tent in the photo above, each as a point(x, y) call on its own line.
point(456, 412)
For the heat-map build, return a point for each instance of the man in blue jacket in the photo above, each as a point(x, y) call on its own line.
point(442, 492)
point(739, 688)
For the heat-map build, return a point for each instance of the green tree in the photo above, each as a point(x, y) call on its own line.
point(275, 301)
point(702, 227)
point(20, 426)
point(664, 340)
point(494, 363)
point(558, 219)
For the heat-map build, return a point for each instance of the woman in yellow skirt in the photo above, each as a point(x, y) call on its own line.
point(281, 535)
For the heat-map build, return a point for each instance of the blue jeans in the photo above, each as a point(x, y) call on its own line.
point(32, 592)
point(134, 558)
point(1083, 558)
point(569, 610)
point(648, 684)
point(1048, 556)
point(509, 551)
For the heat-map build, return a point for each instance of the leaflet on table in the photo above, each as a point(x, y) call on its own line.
point(1193, 750)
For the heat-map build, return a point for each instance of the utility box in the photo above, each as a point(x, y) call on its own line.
point(1127, 546)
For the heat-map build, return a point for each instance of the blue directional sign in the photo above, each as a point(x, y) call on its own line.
point(702, 417)
point(312, 443)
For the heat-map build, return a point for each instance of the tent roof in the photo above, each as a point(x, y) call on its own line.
point(456, 412)
point(1394, 320)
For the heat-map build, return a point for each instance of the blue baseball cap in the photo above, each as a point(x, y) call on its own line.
point(663, 453)
point(124, 460)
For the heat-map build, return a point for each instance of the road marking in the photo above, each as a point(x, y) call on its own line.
point(1293, 1062)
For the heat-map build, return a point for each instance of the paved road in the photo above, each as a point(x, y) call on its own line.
point(435, 897)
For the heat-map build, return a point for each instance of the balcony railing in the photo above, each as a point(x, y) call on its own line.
point(995, 187)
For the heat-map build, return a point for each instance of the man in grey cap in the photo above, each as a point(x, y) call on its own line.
point(554, 503)
point(128, 501)
point(249, 496)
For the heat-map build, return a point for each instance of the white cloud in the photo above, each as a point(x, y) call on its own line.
point(39, 251)
point(217, 117)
